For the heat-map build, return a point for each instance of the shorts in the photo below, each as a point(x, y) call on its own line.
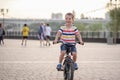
point(65, 46)
point(48, 37)
point(25, 37)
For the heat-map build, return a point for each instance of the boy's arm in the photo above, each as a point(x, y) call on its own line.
point(79, 37)
point(57, 37)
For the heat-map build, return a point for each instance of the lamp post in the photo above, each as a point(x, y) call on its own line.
point(3, 12)
point(114, 4)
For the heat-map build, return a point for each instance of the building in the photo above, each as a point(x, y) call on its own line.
point(107, 16)
point(57, 16)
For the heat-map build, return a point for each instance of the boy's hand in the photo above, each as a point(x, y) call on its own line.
point(81, 42)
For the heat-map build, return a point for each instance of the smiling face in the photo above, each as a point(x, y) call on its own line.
point(69, 18)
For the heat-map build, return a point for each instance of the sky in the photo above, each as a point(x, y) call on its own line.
point(42, 9)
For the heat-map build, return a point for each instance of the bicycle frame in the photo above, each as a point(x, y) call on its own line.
point(68, 66)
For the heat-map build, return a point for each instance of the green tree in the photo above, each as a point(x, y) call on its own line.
point(80, 26)
point(95, 27)
point(115, 12)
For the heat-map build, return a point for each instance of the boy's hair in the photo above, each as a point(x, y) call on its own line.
point(47, 24)
point(70, 14)
point(25, 24)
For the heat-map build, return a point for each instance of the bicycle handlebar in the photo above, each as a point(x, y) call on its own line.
point(75, 42)
point(80, 43)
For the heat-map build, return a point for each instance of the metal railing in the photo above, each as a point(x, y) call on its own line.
point(85, 35)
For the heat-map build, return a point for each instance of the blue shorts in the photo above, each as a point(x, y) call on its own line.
point(65, 46)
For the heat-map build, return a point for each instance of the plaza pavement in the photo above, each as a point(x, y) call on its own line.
point(97, 61)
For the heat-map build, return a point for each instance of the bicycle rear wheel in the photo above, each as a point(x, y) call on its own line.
point(69, 72)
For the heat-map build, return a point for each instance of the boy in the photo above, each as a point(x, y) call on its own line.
point(25, 33)
point(67, 35)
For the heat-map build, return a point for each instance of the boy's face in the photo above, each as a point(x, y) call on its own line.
point(68, 19)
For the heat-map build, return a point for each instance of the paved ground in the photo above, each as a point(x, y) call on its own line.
point(97, 61)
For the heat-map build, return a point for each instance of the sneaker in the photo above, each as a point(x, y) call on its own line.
point(75, 66)
point(59, 67)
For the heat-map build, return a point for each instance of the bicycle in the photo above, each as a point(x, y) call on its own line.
point(68, 64)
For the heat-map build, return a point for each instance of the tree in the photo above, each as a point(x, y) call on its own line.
point(95, 27)
point(80, 26)
point(115, 12)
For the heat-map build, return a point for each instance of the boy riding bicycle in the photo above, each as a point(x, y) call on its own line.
point(68, 34)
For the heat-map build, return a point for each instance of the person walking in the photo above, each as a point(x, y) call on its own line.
point(41, 34)
point(2, 33)
point(25, 33)
point(48, 34)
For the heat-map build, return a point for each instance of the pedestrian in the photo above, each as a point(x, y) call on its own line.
point(48, 34)
point(2, 33)
point(67, 35)
point(41, 34)
point(25, 34)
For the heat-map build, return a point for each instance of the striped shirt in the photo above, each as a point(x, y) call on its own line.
point(68, 35)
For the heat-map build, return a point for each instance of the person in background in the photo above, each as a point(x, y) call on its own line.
point(25, 33)
point(41, 34)
point(2, 33)
point(48, 34)
point(67, 35)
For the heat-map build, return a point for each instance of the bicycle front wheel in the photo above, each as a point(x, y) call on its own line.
point(69, 72)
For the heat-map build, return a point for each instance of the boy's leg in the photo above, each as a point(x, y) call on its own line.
point(74, 56)
point(74, 59)
point(63, 51)
point(60, 60)
point(61, 56)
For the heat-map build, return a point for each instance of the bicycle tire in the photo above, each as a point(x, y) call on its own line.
point(65, 71)
point(69, 72)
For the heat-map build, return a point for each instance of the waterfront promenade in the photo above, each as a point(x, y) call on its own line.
point(97, 61)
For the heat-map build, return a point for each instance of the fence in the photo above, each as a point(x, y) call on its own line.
point(87, 36)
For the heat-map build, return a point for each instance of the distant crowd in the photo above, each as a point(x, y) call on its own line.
point(44, 34)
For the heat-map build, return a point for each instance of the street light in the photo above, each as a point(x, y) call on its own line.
point(3, 12)
point(114, 4)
